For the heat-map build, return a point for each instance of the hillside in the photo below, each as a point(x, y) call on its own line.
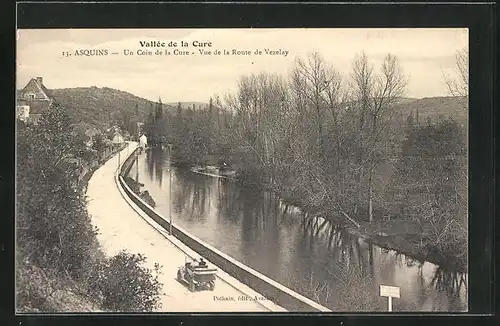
point(100, 106)
point(40, 290)
point(434, 107)
point(186, 105)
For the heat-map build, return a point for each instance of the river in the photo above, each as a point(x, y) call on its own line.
point(314, 258)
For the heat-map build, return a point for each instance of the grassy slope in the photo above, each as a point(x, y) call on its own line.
point(42, 291)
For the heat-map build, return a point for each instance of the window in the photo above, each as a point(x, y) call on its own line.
point(32, 96)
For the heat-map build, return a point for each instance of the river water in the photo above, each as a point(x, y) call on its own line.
point(319, 260)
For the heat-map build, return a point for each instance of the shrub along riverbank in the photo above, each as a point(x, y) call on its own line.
point(143, 194)
point(59, 264)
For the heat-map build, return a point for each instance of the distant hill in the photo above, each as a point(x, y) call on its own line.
point(403, 100)
point(435, 107)
point(99, 106)
point(186, 105)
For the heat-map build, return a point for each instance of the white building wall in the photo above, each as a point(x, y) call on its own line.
point(23, 112)
point(143, 141)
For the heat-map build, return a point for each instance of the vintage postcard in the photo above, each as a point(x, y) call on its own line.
point(242, 170)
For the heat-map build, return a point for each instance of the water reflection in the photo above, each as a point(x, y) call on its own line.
point(304, 252)
point(452, 282)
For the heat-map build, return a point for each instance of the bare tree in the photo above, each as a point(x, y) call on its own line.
point(362, 90)
point(458, 85)
point(374, 96)
point(262, 117)
point(318, 84)
point(320, 99)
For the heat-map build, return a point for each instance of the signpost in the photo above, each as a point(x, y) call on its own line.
point(389, 292)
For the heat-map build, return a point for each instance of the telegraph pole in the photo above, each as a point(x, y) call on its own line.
point(170, 196)
point(137, 168)
point(170, 186)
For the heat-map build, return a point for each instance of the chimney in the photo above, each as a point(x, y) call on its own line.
point(39, 80)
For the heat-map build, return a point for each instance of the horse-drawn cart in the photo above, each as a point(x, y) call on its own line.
point(197, 275)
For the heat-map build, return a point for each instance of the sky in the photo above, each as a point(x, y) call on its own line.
point(424, 54)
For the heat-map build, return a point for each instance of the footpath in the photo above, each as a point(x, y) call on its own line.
point(121, 227)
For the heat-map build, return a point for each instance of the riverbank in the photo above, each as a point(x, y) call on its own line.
point(405, 237)
point(409, 238)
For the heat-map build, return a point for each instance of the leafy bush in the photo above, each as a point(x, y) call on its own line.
point(53, 227)
point(136, 188)
point(125, 285)
point(56, 242)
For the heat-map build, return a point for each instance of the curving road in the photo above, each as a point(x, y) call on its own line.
point(122, 227)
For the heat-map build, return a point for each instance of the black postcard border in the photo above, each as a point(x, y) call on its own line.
point(479, 18)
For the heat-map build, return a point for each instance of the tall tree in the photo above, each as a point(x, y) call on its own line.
point(313, 78)
point(149, 125)
point(376, 95)
point(159, 110)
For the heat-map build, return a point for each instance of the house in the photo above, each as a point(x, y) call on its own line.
point(33, 100)
point(143, 141)
point(118, 139)
point(85, 133)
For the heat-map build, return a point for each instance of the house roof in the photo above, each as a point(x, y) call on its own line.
point(46, 90)
point(42, 86)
